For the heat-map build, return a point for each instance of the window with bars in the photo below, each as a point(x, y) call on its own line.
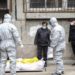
point(51, 3)
point(54, 3)
point(37, 3)
point(45, 3)
point(71, 3)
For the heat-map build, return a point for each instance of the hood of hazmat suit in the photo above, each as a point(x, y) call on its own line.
point(53, 22)
point(57, 35)
point(7, 18)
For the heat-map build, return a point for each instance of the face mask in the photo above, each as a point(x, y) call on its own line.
point(44, 27)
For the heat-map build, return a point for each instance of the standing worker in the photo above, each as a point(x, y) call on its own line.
point(57, 44)
point(9, 39)
point(42, 40)
point(72, 36)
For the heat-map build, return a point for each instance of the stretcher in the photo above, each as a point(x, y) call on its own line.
point(27, 65)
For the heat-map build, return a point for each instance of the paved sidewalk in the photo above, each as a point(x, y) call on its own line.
point(69, 70)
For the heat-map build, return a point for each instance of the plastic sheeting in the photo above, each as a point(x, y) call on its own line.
point(50, 53)
point(27, 65)
point(33, 30)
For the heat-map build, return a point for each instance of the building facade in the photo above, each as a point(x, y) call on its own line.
point(28, 13)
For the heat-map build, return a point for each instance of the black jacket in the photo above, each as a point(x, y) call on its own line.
point(42, 37)
point(72, 33)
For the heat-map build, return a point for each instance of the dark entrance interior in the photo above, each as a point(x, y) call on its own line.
point(3, 8)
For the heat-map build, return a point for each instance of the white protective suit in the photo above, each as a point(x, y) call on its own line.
point(9, 38)
point(57, 44)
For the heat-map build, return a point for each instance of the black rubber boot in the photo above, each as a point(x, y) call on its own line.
point(56, 74)
point(62, 72)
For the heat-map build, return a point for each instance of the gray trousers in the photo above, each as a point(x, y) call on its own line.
point(58, 59)
point(11, 52)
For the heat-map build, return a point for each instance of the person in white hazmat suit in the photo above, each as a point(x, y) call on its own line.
point(57, 44)
point(9, 39)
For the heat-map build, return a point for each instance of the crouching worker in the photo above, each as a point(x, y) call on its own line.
point(42, 40)
point(9, 38)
